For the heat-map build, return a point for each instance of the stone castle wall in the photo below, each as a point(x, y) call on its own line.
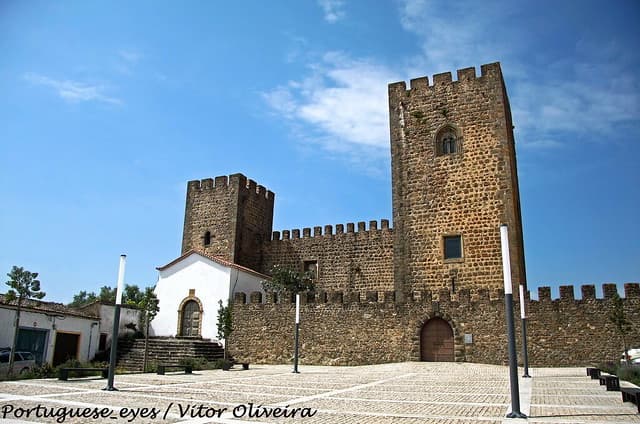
point(237, 213)
point(340, 328)
point(467, 193)
point(348, 260)
point(377, 286)
point(209, 207)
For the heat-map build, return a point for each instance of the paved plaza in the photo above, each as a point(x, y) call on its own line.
point(454, 393)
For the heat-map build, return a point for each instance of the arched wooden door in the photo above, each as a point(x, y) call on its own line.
point(190, 326)
point(436, 341)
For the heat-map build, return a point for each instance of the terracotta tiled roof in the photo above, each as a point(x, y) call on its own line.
point(46, 307)
point(216, 259)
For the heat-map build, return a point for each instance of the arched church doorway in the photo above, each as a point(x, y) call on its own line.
point(190, 324)
point(436, 341)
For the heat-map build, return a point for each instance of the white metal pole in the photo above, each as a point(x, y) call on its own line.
point(523, 316)
point(120, 286)
point(295, 351)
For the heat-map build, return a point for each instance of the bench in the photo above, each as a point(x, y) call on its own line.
point(612, 382)
point(594, 373)
point(188, 369)
point(64, 372)
point(631, 394)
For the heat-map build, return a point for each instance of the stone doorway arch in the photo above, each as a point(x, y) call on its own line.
point(436, 341)
point(190, 318)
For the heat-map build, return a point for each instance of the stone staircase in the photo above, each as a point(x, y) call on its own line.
point(165, 350)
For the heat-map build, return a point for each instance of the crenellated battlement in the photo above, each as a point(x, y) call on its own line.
point(383, 297)
point(444, 79)
point(327, 230)
point(588, 292)
point(224, 182)
point(228, 216)
point(444, 296)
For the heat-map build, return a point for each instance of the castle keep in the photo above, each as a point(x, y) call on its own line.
point(430, 288)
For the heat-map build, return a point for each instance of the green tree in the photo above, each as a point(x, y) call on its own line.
point(225, 323)
point(619, 319)
point(24, 285)
point(82, 298)
point(132, 295)
point(149, 306)
point(106, 295)
point(287, 280)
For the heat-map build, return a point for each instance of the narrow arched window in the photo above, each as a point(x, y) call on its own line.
point(447, 141)
point(207, 238)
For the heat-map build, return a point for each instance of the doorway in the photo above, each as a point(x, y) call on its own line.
point(436, 341)
point(66, 347)
point(190, 325)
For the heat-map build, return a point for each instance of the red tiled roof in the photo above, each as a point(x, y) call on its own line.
point(46, 307)
point(214, 259)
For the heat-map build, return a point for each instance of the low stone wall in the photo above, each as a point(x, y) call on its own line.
point(339, 329)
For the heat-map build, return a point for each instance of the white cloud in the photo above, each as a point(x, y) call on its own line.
point(126, 61)
point(129, 56)
point(580, 101)
point(452, 34)
point(73, 91)
point(342, 104)
point(333, 10)
point(554, 102)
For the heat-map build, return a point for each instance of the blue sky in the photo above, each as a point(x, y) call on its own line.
point(107, 109)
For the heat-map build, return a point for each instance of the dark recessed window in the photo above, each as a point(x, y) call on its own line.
point(453, 247)
point(311, 267)
point(447, 141)
point(207, 238)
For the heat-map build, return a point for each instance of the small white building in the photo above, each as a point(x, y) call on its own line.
point(51, 331)
point(189, 289)
point(106, 311)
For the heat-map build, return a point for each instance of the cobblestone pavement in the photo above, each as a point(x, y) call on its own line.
point(455, 393)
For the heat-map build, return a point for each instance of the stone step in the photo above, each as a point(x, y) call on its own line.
point(166, 350)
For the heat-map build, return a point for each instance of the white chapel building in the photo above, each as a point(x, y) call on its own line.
point(189, 289)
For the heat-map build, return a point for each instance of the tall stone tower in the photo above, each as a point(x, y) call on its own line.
point(229, 218)
point(454, 182)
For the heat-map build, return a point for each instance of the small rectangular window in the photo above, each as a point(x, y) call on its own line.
point(312, 268)
point(452, 247)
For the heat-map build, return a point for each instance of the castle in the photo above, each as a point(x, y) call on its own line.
point(431, 287)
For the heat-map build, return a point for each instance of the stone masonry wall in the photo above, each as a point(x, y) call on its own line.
point(209, 207)
point(468, 193)
point(347, 260)
point(254, 222)
point(567, 331)
point(346, 330)
point(236, 212)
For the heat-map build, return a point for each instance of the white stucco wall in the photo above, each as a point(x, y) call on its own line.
point(245, 282)
point(212, 282)
point(89, 334)
point(127, 315)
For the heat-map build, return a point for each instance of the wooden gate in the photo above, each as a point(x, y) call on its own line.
point(436, 341)
point(190, 326)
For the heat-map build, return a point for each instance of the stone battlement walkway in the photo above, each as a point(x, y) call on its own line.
point(453, 393)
